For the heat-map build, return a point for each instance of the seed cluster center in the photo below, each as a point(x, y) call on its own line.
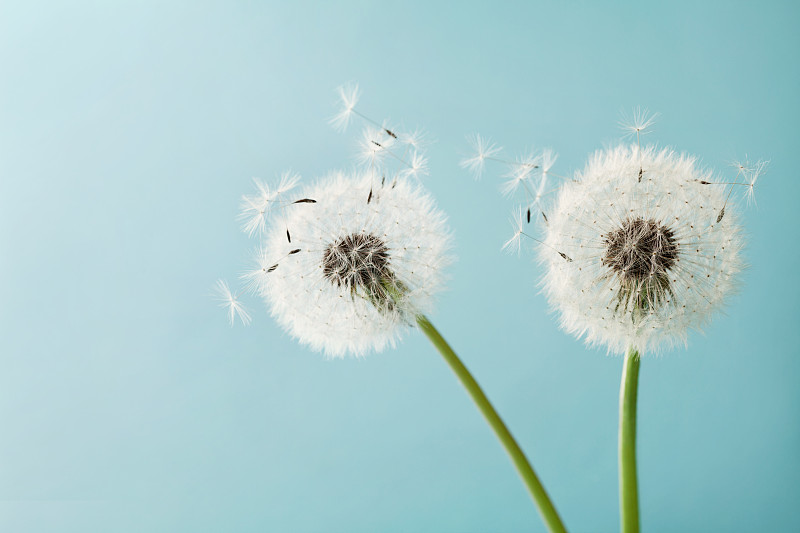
point(640, 249)
point(357, 261)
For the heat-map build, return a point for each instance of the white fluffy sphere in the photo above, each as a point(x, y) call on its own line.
point(349, 267)
point(640, 248)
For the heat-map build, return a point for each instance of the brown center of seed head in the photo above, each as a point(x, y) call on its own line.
point(640, 249)
point(358, 261)
point(640, 253)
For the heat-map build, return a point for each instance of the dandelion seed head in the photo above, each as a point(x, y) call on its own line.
point(364, 260)
point(649, 260)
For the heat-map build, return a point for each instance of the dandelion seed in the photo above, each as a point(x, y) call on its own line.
point(547, 160)
point(374, 146)
point(289, 181)
point(519, 173)
point(361, 272)
point(231, 302)
point(483, 149)
point(514, 244)
point(416, 139)
point(255, 209)
point(348, 96)
point(418, 166)
point(650, 260)
point(751, 171)
point(638, 122)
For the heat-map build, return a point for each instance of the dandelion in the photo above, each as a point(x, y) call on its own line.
point(653, 254)
point(363, 262)
point(651, 259)
point(639, 248)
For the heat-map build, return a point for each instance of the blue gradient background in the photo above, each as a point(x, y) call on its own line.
point(128, 132)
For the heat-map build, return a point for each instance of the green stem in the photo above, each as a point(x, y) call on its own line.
point(546, 508)
point(628, 489)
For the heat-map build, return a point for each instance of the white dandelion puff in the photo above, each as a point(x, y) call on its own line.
point(483, 149)
point(364, 261)
point(231, 303)
point(348, 98)
point(651, 257)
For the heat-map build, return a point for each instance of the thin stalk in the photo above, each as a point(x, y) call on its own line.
point(540, 497)
point(628, 486)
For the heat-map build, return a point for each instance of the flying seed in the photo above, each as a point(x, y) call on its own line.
point(272, 268)
point(721, 214)
point(294, 251)
point(529, 215)
point(288, 236)
point(369, 198)
point(305, 201)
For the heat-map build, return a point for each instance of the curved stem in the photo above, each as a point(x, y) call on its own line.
point(628, 489)
point(546, 508)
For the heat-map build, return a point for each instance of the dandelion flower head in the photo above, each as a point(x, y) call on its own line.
point(642, 246)
point(353, 262)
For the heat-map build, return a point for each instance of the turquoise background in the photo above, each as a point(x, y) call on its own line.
point(129, 131)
